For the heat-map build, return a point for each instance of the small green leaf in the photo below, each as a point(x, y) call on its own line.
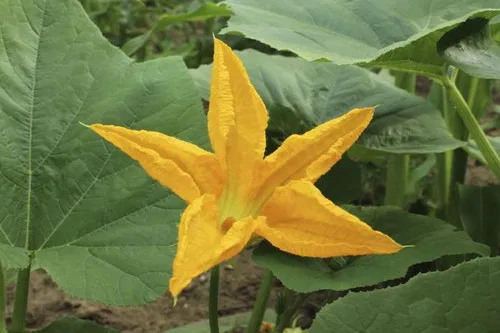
point(462, 299)
point(472, 48)
point(480, 213)
point(134, 44)
point(417, 174)
point(226, 324)
point(431, 239)
point(75, 325)
point(300, 95)
point(206, 11)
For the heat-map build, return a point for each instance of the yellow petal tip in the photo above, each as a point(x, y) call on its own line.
point(83, 124)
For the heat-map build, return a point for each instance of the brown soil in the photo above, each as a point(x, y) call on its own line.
point(238, 289)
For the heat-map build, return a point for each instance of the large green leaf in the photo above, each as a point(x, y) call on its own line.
point(397, 34)
point(431, 239)
point(226, 323)
point(91, 216)
point(462, 299)
point(13, 257)
point(480, 213)
point(75, 325)
point(300, 95)
point(472, 48)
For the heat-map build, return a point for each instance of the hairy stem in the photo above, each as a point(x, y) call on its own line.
point(3, 300)
point(21, 301)
point(213, 299)
point(398, 165)
point(260, 303)
point(438, 97)
point(396, 180)
point(475, 130)
point(286, 318)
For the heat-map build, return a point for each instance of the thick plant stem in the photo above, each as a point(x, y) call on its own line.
point(438, 97)
point(475, 130)
point(21, 301)
point(467, 87)
point(3, 300)
point(260, 303)
point(286, 317)
point(213, 300)
point(396, 180)
point(398, 165)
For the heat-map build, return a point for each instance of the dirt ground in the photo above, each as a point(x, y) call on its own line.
point(238, 289)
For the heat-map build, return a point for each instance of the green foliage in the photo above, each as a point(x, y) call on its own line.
point(343, 183)
point(87, 214)
point(300, 95)
point(429, 238)
point(472, 48)
point(480, 214)
point(90, 216)
point(12, 257)
point(155, 28)
point(462, 299)
point(207, 11)
point(389, 33)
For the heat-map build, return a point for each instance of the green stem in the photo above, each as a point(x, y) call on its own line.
point(438, 97)
point(3, 300)
point(260, 303)
point(472, 94)
point(396, 180)
point(474, 128)
point(213, 298)
point(286, 318)
point(398, 165)
point(21, 301)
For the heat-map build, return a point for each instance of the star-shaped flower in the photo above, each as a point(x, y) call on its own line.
point(235, 193)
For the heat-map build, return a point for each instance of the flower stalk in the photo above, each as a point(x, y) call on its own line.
point(3, 300)
point(472, 125)
point(398, 165)
point(260, 303)
point(438, 97)
point(21, 301)
point(213, 300)
point(286, 318)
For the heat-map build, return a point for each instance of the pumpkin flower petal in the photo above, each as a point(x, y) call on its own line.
point(202, 244)
point(181, 166)
point(312, 154)
point(315, 227)
point(237, 119)
point(235, 104)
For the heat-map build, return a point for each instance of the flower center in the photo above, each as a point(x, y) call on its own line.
point(233, 207)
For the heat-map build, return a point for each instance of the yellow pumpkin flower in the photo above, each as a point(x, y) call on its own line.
point(235, 193)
